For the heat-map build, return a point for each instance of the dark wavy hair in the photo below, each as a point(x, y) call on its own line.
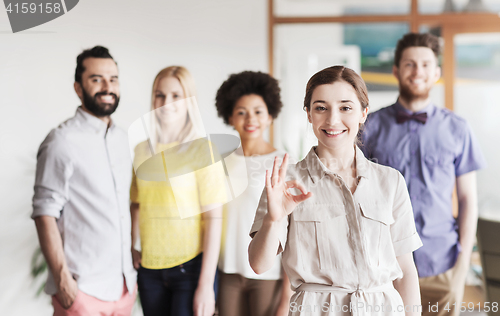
point(245, 83)
point(95, 52)
point(416, 40)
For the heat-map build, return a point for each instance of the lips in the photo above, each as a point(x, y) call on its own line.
point(250, 129)
point(333, 133)
point(106, 97)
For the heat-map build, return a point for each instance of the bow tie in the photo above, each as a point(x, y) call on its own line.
point(403, 116)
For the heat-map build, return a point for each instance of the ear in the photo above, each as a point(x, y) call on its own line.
point(78, 90)
point(438, 74)
point(308, 115)
point(364, 114)
point(395, 71)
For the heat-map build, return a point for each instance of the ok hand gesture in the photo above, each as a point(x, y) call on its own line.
point(280, 202)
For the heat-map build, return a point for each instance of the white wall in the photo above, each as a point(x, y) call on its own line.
point(211, 38)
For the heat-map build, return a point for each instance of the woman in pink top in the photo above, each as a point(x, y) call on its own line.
point(347, 238)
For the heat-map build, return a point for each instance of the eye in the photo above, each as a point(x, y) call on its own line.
point(258, 112)
point(240, 113)
point(176, 96)
point(114, 80)
point(160, 96)
point(96, 80)
point(320, 108)
point(345, 108)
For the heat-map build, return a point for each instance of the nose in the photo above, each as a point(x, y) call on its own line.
point(333, 117)
point(169, 99)
point(418, 70)
point(250, 117)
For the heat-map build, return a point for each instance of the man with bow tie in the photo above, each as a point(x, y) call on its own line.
point(435, 150)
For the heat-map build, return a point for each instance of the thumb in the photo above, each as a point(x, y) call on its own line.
point(302, 197)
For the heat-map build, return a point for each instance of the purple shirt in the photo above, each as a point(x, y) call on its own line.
point(430, 156)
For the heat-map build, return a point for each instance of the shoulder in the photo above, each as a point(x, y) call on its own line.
point(445, 114)
point(142, 149)
point(378, 119)
point(381, 113)
point(384, 173)
point(456, 124)
point(59, 138)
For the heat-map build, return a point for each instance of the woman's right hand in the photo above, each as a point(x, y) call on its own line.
point(136, 258)
point(280, 202)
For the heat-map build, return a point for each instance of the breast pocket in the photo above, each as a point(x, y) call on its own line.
point(321, 236)
point(375, 229)
point(440, 164)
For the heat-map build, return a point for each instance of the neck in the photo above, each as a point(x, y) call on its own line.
point(169, 133)
point(256, 146)
point(337, 160)
point(414, 105)
point(105, 119)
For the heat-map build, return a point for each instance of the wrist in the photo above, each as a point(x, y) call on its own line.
point(62, 278)
point(269, 221)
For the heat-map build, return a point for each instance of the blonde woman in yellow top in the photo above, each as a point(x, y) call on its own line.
point(178, 221)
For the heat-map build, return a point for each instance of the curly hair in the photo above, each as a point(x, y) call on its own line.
point(245, 83)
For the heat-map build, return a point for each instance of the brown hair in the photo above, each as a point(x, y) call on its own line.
point(334, 74)
point(416, 40)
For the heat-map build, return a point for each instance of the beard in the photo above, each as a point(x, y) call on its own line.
point(97, 108)
point(406, 93)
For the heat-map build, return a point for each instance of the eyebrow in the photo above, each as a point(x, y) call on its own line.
point(100, 76)
point(319, 101)
point(412, 60)
point(255, 107)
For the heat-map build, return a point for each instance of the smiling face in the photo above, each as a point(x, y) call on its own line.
point(250, 116)
point(168, 101)
point(336, 113)
point(417, 72)
point(99, 89)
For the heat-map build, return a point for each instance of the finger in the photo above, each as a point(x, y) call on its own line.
point(296, 184)
point(283, 167)
point(275, 175)
point(268, 178)
point(301, 198)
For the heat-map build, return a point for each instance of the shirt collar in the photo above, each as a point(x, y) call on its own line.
point(429, 109)
point(317, 170)
point(94, 123)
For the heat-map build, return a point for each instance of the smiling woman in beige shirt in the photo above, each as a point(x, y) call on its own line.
point(347, 238)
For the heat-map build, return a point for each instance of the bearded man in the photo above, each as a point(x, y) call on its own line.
point(81, 200)
point(435, 150)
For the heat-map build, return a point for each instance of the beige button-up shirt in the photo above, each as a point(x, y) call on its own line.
point(340, 249)
point(82, 179)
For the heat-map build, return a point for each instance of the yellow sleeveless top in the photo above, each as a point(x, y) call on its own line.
point(170, 221)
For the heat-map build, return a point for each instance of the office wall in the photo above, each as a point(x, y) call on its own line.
point(211, 38)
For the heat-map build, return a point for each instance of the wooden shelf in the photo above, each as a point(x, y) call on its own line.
point(451, 24)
